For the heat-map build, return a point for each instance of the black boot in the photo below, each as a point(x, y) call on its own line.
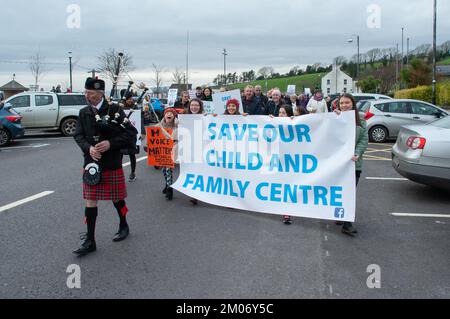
point(165, 190)
point(169, 193)
point(349, 229)
point(122, 234)
point(124, 230)
point(88, 245)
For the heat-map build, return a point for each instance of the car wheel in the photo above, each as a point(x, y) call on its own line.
point(68, 127)
point(5, 137)
point(378, 134)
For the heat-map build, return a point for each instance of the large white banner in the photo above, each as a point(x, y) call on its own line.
point(299, 167)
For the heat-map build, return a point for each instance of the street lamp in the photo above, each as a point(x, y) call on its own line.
point(357, 43)
point(70, 70)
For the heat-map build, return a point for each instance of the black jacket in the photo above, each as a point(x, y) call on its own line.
point(273, 109)
point(253, 107)
point(87, 129)
point(264, 99)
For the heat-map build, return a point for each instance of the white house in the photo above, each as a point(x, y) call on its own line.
point(337, 82)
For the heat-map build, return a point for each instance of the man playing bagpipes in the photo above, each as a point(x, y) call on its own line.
point(102, 131)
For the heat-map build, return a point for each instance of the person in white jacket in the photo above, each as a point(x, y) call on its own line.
point(317, 104)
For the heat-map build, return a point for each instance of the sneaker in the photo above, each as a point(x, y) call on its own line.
point(287, 220)
point(339, 223)
point(194, 201)
point(132, 177)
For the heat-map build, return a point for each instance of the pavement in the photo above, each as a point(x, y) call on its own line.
point(176, 250)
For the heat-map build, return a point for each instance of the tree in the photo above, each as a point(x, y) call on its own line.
point(107, 64)
point(373, 55)
point(158, 79)
point(177, 76)
point(294, 71)
point(422, 50)
point(37, 68)
point(339, 60)
point(266, 72)
point(369, 84)
point(418, 73)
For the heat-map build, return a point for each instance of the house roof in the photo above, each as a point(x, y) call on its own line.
point(443, 69)
point(13, 86)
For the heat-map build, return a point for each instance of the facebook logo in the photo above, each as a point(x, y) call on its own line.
point(339, 213)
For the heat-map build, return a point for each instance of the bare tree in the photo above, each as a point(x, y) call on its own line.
point(340, 60)
point(159, 70)
point(37, 67)
point(266, 72)
point(177, 76)
point(373, 55)
point(422, 50)
point(445, 47)
point(107, 64)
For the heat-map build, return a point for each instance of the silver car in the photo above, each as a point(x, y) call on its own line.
point(422, 153)
point(385, 118)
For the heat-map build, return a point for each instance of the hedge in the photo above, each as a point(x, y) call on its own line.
point(424, 93)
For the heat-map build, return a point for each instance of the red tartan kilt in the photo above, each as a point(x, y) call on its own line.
point(112, 187)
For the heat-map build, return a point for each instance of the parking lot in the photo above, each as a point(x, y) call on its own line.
point(176, 250)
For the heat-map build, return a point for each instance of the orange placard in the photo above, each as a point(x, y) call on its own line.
point(160, 148)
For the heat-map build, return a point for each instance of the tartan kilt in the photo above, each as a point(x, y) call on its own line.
point(112, 187)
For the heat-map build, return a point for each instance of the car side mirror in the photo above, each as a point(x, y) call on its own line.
point(438, 114)
point(8, 106)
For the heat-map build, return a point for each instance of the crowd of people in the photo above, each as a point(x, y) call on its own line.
point(275, 104)
point(109, 151)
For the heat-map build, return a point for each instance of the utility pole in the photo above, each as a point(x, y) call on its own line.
point(407, 51)
point(187, 62)
point(434, 52)
point(225, 66)
point(402, 44)
point(93, 71)
point(70, 71)
point(396, 69)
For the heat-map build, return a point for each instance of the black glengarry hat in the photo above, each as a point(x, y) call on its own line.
point(94, 84)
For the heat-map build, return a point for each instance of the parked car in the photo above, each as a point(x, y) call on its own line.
point(49, 110)
point(422, 153)
point(10, 125)
point(386, 117)
point(363, 97)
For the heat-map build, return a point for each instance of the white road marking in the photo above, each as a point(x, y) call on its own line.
point(44, 138)
point(327, 253)
point(26, 146)
point(137, 161)
point(387, 178)
point(326, 238)
point(331, 289)
point(25, 200)
point(420, 215)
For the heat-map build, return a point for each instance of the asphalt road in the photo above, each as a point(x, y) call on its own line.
point(176, 250)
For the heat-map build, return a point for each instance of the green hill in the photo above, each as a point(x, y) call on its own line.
point(301, 81)
point(446, 61)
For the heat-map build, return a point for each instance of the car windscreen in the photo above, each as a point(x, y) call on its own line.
point(444, 123)
point(67, 100)
point(363, 106)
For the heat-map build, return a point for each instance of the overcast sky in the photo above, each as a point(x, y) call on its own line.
point(256, 33)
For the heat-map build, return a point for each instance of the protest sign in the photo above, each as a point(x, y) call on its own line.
point(208, 107)
point(172, 97)
point(220, 100)
point(280, 166)
point(291, 90)
point(135, 120)
point(160, 147)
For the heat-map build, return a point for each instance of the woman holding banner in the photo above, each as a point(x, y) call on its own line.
point(346, 103)
point(169, 122)
point(195, 107)
point(207, 94)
